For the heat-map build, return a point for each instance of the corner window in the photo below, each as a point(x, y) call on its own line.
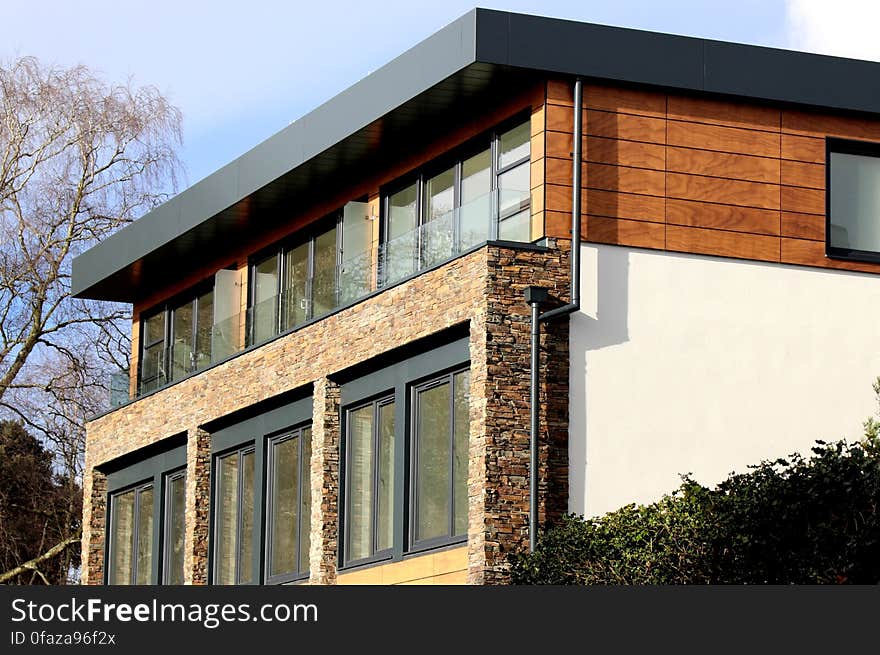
point(289, 506)
point(234, 519)
point(440, 430)
point(369, 493)
point(853, 203)
point(131, 536)
point(482, 194)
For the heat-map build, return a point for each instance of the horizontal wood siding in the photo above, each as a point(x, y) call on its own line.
point(694, 174)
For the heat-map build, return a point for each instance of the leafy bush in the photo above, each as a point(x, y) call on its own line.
point(799, 520)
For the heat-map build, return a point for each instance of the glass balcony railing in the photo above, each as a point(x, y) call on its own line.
point(438, 240)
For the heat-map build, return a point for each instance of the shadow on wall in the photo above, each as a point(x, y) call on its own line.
point(602, 322)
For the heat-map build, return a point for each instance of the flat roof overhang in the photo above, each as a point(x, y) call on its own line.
point(449, 75)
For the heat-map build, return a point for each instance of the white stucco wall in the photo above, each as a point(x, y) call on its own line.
point(685, 363)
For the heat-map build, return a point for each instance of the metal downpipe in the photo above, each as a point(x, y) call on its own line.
point(537, 295)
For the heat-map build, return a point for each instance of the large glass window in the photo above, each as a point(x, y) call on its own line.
point(173, 546)
point(483, 195)
point(199, 328)
point(440, 453)
point(301, 281)
point(191, 325)
point(234, 518)
point(289, 506)
point(513, 183)
point(854, 200)
point(404, 456)
point(369, 448)
point(264, 299)
point(131, 536)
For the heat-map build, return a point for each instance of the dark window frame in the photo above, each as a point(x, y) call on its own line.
point(240, 451)
point(279, 250)
point(304, 478)
point(164, 550)
point(146, 466)
point(416, 364)
point(846, 147)
point(455, 158)
point(375, 403)
point(161, 377)
point(137, 488)
point(419, 545)
point(171, 308)
point(167, 309)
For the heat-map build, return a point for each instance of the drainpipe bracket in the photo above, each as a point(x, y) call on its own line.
point(536, 295)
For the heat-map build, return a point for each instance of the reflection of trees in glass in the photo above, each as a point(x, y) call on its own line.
point(442, 433)
point(370, 479)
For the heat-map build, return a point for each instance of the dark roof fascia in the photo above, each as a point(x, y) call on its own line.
point(431, 61)
point(679, 62)
point(488, 37)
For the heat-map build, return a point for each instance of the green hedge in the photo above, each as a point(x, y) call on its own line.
point(801, 520)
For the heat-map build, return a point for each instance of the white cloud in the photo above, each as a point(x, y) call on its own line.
point(846, 28)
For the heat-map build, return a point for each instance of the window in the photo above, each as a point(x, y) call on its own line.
point(131, 536)
point(172, 548)
point(484, 194)
point(440, 432)
point(145, 521)
point(369, 493)
point(234, 521)
point(404, 454)
point(289, 506)
point(190, 332)
point(311, 277)
point(261, 500)
point(153, 369)
point(191, 324)
point(853, 203)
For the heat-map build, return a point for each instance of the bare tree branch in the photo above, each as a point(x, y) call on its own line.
point(79, 159)
point(31, 565)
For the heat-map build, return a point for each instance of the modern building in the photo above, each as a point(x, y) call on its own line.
point(332, 349)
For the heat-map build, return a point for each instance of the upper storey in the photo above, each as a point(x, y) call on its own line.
point(439, 85)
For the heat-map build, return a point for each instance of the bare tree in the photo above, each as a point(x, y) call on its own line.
point(79, 158)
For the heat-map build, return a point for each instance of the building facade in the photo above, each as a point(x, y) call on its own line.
point(331, 375)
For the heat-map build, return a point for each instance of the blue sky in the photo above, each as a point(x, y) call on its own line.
point(241, 71)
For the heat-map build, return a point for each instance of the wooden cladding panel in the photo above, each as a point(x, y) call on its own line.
point(739, 179)
point(722, 217)
point(814, 124)
point(605, 203)
point(722, 190)
point(719, 112)
point(798, 173)
point(622, 232)
point(803, 148)
point(723, 139)
point(624, 126)
point(722, 164)
point(804, 201)
point(803, 226)
point(622, 100)
point(609, 178)
point(725, 244)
